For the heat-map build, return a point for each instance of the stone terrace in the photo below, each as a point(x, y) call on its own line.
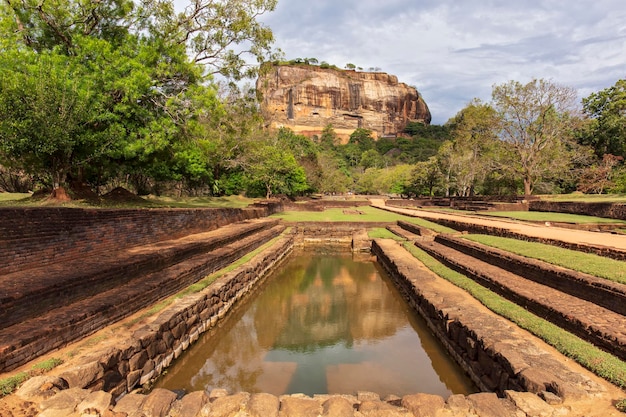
point(103, 265)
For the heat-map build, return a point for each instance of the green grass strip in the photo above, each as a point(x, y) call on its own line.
point(368, 214)
point(382, 233)
point(596, 360)
point(541, 216)
point(588, 263)
point(10, 384)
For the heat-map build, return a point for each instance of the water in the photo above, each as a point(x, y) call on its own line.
point(324, 323)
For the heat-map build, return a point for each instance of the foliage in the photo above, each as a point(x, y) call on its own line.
point(274, 170)
point(9, 384)
point(473, 150)
point(98, 91)
point(598, 178)
point(536, 125)
point(607, 110)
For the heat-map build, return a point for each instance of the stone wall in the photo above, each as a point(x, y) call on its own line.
point(608, 210)
point(152, 348)
point(34, 237)
point(479, 341)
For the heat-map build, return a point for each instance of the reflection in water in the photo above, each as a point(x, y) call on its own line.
point(322, 324)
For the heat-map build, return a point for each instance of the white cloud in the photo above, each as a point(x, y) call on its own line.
point(454, 51)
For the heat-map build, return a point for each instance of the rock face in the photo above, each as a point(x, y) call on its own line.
point(307, 98)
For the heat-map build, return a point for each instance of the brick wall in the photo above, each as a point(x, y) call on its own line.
point(33, 237)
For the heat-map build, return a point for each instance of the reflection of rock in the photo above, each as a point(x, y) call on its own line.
point(307, 98)
point(330, 304)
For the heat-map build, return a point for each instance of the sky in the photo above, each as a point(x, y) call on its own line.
point(457, 50)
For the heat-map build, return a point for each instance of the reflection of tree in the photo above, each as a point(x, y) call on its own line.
point(332, 301)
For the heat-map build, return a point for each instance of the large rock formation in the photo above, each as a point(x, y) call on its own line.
point(307, 98)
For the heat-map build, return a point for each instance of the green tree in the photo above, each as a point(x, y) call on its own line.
point(536, 123)
point(607, 110)
point(474, 139)
point(145, 67)
point(274, 170)
point(46, 108)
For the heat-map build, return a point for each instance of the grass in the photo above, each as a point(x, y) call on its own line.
point(596, 360)
point(9, 384)
point(382, 233)
point(588, 263)
point(7, 197)
point(369, 214)
point(234, 201)
point(539, 216)
point(587, 198)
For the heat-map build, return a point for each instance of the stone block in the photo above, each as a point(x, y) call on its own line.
point(292, 406)
point(263, 405)
point(96, 403)
point(158, 403)
point(138, 360)
point(65, 401)
point(488, 404)
point(82, 376)
point(190, 405)
point(229, 405)
point(337, 407)
point(530, 403)
point(423, 405)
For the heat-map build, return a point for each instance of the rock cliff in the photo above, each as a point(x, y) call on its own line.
point(307, 98)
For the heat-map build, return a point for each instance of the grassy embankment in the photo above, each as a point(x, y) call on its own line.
point(596, 360)
point(588, 263)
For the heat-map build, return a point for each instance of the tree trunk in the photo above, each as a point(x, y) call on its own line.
point(527, 187)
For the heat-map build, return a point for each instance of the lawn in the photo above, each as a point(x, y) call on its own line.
point(13, 196)
point(369, 214)
point(540, 216)
point(588, 263)
point(586, 198)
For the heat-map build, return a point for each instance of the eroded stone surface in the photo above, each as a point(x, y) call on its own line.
point(308, 98)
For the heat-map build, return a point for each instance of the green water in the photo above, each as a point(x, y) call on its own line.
point(324, 323)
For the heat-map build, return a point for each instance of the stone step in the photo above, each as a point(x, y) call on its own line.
point(598, 325)
point(31, 338)
point(600, 291)
point(31, 292)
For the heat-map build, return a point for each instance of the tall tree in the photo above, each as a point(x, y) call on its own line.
point(607, 109)
point(536, 122)
point(474, 136)
point(137, 69)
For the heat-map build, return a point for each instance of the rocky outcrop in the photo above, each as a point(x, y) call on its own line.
point(307, 98)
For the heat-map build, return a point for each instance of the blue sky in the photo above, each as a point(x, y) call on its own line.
point(454, 51)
